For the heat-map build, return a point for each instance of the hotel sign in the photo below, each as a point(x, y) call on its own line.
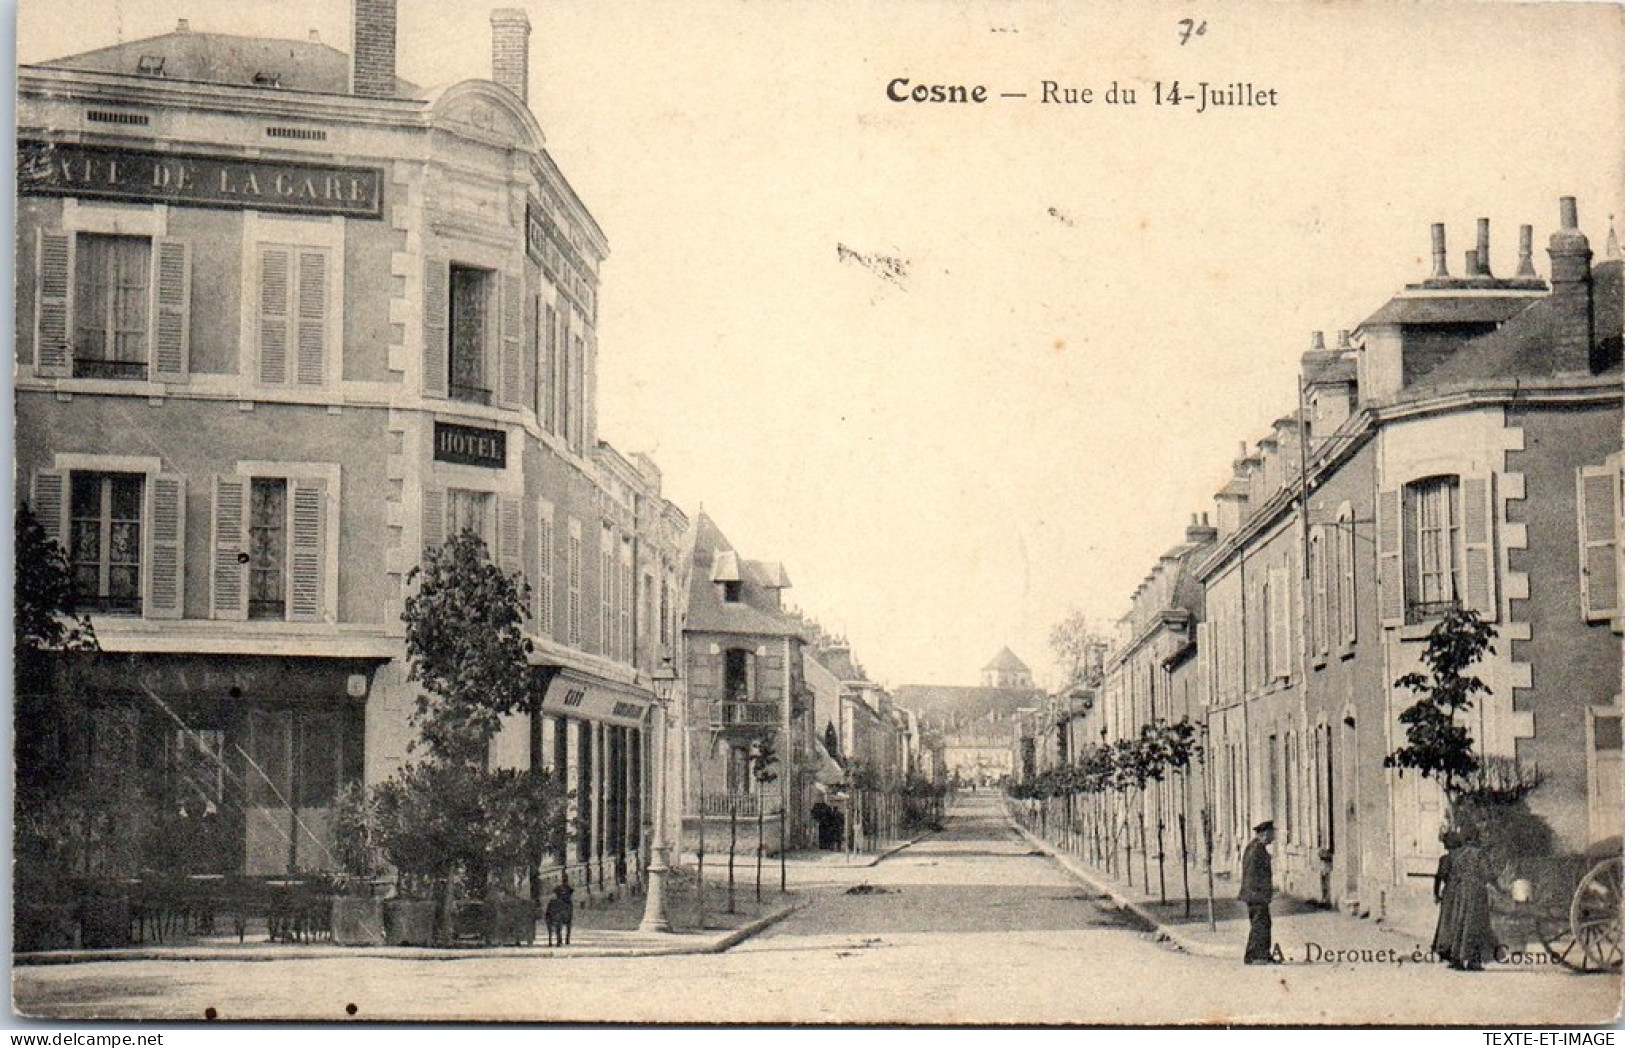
point(107, 173)
point(572, 697)
point(470, 446)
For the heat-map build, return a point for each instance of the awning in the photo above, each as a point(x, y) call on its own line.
point(577, 696)
point(829, 773)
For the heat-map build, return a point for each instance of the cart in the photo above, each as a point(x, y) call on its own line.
point(1571, 904)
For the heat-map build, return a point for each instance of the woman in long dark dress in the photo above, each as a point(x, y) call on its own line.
point(1469, 941)
point(1444, 932)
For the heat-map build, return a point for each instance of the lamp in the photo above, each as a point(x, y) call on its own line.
point(654, 903)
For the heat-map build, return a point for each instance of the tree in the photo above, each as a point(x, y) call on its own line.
point(764, 761)
point(465, 645)
point(447, 815)
point(1435, 744)
point(1079, 650)
point(45, 616)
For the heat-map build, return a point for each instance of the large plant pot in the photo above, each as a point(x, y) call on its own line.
point(358, 921)
point(409, 922)
point(104, 922)
point(44, 927)
point(510, 922)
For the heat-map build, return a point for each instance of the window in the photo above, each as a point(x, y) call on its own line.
point(547, 368)
point(293, 314)
point(110, 306)
point(573, 571)
point(1601, 505)
point(732, 591)
point(577, 392)
point(267, 548)
point(544, 571)
point(105, 541)
point(1343, 575)
point(1319, 569)
point(271, 556)
point(1432, 547)
point(469, 511)
point(470, 325)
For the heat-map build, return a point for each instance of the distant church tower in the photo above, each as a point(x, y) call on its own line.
point(1006, 671)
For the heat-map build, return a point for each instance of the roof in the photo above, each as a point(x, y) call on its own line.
point(1522, 347)
point(756, 612)
point(222, 58)
point(941, 703)
point(1006, 660)
point(1449, 309)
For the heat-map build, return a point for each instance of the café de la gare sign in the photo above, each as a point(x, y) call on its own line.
point(110, 173)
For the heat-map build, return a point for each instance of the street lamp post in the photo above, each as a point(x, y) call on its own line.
point(654, 903)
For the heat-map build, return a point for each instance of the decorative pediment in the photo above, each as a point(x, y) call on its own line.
point(482, 111)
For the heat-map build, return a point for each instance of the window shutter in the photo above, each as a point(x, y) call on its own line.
point(1599, 516)
point(310, 367)
point(50, 504)
point(53, 304)
point(171, 312)
point(1390, 579)
point(512, 364)
point(1280, 626)
point(1478, 544)
point(1319, 579)
point(307, 551)
point(275, 292)
point(544, 571)
point(434, 518)
point(166, 547)
point(436, 305)
point(1346, 601)
point(1204, 664)
point(510, 535)
point(229, 592)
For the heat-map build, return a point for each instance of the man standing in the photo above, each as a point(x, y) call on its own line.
point(1257, 889)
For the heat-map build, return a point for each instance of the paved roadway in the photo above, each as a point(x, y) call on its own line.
point(968, 926)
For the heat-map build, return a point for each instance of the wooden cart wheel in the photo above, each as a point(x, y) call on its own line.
point(1594, 916)
point(1556, 933)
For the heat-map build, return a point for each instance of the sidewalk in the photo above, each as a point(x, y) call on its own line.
point(1305, 932)
point(605, 928)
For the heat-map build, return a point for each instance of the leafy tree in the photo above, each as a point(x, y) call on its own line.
point(1435, 744)
point(448, 817)
point(45, 617)
point(1079, 650)
point(465, 645)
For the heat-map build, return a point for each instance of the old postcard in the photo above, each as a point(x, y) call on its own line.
point(936, 513)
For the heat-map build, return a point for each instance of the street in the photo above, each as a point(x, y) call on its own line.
point(967, 926)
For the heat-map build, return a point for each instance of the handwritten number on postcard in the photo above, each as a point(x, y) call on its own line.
point(1189, 27)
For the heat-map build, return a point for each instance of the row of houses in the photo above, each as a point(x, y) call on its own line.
point(1459, 448)
point(286, 320)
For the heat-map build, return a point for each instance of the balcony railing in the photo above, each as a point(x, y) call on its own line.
point(473, 394)
point(747, 714)
point(96, 367)
point(743, 804)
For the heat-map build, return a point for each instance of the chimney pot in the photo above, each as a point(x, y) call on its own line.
point(1470, 262)
point(1526, 251)
point(1440, 269)
point(1317, 341)
point(1483, 247)
point(1343, 340)
point(315, 37)
point(183, 25)
point(1570, 213)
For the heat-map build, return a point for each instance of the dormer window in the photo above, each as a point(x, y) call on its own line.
point(732, 591)
point(267, 79)
point(150, 65)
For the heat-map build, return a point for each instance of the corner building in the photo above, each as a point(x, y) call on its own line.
point(284, 320)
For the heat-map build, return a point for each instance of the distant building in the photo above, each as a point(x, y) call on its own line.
point(978, 726)
point(1006, 671)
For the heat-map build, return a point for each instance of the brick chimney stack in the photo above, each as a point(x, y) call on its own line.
point(510, 51)
point(372, 59)
point(1571, 293)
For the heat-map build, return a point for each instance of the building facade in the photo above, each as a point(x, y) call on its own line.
point(284, 321)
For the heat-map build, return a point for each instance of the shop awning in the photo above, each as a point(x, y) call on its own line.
point(576, 696)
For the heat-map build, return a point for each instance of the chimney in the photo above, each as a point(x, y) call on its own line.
point(1199, 531)
point(372, 62)
point(1345, 341)
point(1441, 271)
point(1526, 253)
point(1571, 293)
point(1483, 269)
point(315, 37)
point(510, 51)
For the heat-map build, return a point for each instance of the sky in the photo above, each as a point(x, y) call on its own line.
point(964, 367)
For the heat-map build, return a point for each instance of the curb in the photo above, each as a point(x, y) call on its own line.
point(251, 954)
point(1082, 873)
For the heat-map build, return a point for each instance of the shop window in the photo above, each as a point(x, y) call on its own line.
point(105, 541)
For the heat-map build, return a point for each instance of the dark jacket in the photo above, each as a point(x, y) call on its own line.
point(1257, 875)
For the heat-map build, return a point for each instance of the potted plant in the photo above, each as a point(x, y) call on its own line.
point(357, 917)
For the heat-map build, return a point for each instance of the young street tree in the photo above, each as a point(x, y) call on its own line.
point(1436, 745)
